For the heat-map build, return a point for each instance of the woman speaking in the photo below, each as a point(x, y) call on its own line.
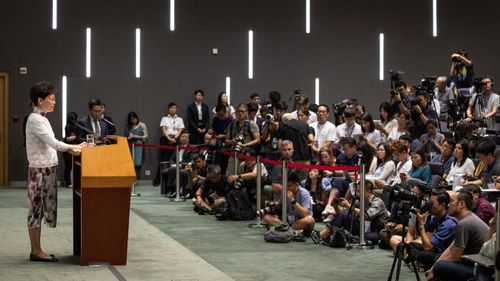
point(41, 146)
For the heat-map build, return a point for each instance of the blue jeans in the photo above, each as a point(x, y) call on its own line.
point(456, 271)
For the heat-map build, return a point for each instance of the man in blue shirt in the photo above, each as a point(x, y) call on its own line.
point(299, 207)
point(437, 230)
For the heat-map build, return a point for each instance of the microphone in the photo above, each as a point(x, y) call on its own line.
point(107, 121)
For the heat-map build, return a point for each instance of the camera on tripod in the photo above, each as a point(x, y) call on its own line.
point(339, 108)
point(411, 201)
point(271, 208)
point(478, 84)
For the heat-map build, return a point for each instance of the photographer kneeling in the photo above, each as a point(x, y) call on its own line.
point(245, 177)
point(437, 230)
point(299, 208)
point(212, 191)
point(375, 212)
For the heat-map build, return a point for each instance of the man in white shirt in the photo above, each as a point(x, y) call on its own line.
point(349, 128)
point(324, 130)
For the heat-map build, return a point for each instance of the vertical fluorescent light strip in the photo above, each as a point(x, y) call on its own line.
point(250, 54)
point(316, 91)
point(138, 53)
point(88, 47)
point(434, 19)
point(381, 57)
point(172, 15)
point(308, 16)
point(54, 14)
point(64, 103)
point(228, 89)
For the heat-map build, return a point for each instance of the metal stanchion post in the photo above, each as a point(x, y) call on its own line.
point(497, 244)
point(362, 242)
point(133, 161)
point(258, 223)
point(284, 191)
point(177, 177)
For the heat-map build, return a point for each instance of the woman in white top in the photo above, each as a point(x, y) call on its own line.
point(385, 165)
point(222, 99)
point(462, 164)
point(41, 150)
point(403, 121)
point(371, 134)
point(387, 120)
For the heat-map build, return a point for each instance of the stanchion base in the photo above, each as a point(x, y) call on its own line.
point(360, 246)
point(135, 194)
point(257, 225)
point(177, 199)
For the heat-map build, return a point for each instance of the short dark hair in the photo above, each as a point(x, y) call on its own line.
point(399, 84)
point(405, 138)
point(254, 95)
point(293, 177)
point(466, 196)
point(274, 97)
point(368, 186)
point(95, 102)
point(349, 141)
point(349, 112)
point(431, 121)
point(421, 93)
point(199, 91)
point(221, 107)
point(324, 105)
point(486, 147)
point(442, 197)
point(472, 188)
point(252, 107)
point(172, 104)
point(41, 90)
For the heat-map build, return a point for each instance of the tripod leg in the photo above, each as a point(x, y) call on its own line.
point(396, 259)
point(415, 269)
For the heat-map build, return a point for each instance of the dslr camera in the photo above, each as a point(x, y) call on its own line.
point(271, 208)
point(238, 146)
point(410, 200)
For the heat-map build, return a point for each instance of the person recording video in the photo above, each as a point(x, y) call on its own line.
point(483, 106)
point(462, 73)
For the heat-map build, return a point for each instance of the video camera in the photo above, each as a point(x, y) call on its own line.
point(478, 84)
point(411, 201)
point(339, 108)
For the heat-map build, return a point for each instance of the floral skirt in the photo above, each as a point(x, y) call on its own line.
point(42, 196)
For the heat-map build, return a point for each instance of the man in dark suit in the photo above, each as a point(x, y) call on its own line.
point(198, 118)
point(93, 122)
point(168, 187)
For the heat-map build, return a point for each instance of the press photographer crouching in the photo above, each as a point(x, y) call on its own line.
point(348, 217)
point(211, 192)
point(299, 208)
point(436, 230)
point(245, 177)
point(168, 175)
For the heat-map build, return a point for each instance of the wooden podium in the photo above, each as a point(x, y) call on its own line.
point(102, 178)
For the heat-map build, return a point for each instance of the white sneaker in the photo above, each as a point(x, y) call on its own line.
point(329, 210)
point(328, 219)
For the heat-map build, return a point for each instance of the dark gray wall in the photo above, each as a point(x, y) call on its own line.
point(342, 50)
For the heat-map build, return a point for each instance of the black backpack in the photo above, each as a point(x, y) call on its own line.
point(236, 208)
point(337, 239)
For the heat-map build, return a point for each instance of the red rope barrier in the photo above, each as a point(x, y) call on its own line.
point(263, 160)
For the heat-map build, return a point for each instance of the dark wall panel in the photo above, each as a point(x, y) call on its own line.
point(342, 50)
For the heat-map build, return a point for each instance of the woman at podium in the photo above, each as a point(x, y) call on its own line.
point(41, 150)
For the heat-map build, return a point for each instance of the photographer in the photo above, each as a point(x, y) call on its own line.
point(470, 234)
point(246, 176)
point(461, 73)
point(240, 134)
point(445, 96)
point(299, 208)
point(375, 213)
point(400, 98)
point(437, 230)
point(483, 106)
point(212, 191)
point(421, 112)
point(197, 172)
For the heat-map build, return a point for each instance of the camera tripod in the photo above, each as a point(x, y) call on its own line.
point(400, 250)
